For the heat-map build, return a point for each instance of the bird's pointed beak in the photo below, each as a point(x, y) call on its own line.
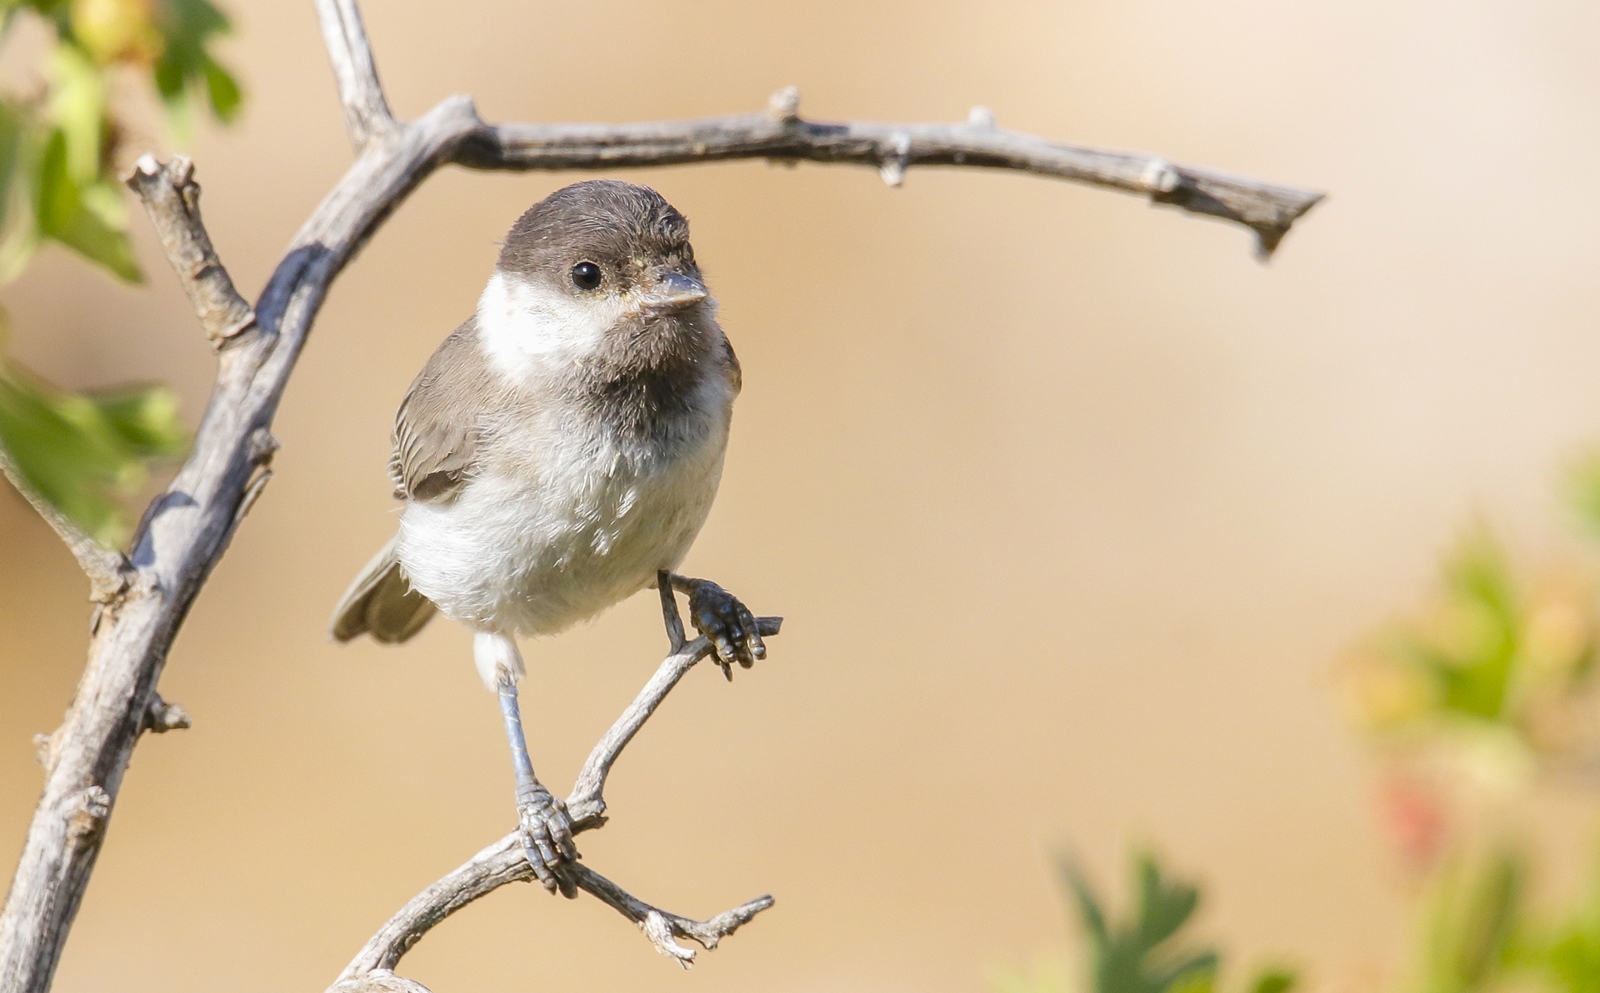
point(673, 292)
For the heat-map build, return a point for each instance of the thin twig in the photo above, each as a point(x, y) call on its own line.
point(662, 926)
point(505, 862)
point(106, 568)
point(587, 806)
point(366, 110)
point(780, 135)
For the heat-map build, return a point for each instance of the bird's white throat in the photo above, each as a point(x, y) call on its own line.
point(527, 326)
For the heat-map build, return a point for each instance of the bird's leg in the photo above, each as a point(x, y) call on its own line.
point(719, 616)
point(546, 828)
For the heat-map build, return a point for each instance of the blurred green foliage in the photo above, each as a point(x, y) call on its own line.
point(1469, 924)
point(86, 453)
point(1471, 702)
point(1144, 951)
point(1496, 673)
point(1480, 932)
point(59, 147)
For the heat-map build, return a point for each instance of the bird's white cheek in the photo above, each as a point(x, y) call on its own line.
point(527, 328)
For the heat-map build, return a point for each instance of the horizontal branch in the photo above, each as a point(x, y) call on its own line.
point(781, 135)
point(660, 926)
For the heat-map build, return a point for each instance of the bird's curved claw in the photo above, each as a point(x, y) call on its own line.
point(726, 623)
point(547, 839)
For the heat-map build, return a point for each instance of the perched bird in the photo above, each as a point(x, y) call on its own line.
point(559, 452)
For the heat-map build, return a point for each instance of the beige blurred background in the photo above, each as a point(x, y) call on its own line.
point(1070, 504)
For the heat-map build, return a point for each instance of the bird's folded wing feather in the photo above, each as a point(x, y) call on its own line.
point(437, 429)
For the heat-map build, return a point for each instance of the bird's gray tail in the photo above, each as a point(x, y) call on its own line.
point(381, 603)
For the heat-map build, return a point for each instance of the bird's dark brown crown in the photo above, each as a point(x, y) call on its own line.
point(602, 220)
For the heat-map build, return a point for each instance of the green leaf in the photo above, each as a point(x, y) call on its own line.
point(1276, 980)
point(1475, 667)
point(1089, 907)
point(144, 420)
point(1163, 907)
point(87, 218)
point(1046, 976)
point(11, 135)
point(78, 108)
point(223, 90)
point(1474, 911)
point(85, 453)
point(188, 27)
point(21, 144)
point(1583, 489)
point(1140, 955)
point(1197, 982)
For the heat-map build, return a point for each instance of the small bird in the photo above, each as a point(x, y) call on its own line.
point(558, 453)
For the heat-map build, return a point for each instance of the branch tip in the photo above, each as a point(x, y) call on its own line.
point(896, 158)
point(161, 716)
point(784, 105)
point(106, 568)
point(172, 199)
point(1160, 176)
point(778, 135)
point(656, 928)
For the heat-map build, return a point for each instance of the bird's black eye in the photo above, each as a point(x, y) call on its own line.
point(586, 275)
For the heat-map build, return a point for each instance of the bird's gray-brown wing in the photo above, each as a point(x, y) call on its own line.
point(437, 429)
point(730, 366)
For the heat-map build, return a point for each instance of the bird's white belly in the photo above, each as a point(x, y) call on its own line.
point(531, 553)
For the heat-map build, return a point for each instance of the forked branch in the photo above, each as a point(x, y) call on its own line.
point(506, 862)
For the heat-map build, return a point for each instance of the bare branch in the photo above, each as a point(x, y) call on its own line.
point(172, 199)
point(587, 806)
point(366, 112)
point(106, 568)
point(505, 862)
point(661, 926)
point(780, 135)
point(181, 538)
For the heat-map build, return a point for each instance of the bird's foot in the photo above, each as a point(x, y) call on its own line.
point(725, 622)
point(547, 840)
